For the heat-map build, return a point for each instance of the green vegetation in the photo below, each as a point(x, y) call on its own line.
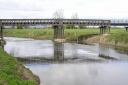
point(14, 73)
point(118, 36)
point(30, 33)
point(70, 34)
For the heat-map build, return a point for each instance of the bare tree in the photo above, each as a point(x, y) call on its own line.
point(74, 16)
point(59, 14)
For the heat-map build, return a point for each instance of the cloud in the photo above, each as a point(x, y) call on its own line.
point(45, 8)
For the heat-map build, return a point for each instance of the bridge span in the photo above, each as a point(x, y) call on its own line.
point(57, 24)
point(88, 22)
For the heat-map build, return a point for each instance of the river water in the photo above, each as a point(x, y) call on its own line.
point(70, 63)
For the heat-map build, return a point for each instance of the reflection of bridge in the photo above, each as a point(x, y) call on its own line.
point(60, 57)
point(57, 57)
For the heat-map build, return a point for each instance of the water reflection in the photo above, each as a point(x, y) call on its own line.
point(70, 63)
point(38, 51)
point(104, 51)
point(58, 52)
point(109, 73)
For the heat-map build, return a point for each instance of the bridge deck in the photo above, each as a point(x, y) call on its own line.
point(91, 22)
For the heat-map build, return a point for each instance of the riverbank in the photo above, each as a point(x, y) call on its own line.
point(14, 73)
point(117, 37)
point(42, 34)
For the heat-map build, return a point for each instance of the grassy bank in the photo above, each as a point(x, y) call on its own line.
point(116, 37)
point(14, 73)
point(30, 33)
point(69, 34)
point(73, 34)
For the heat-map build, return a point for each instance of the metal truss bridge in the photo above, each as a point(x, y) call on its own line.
point(58, 24)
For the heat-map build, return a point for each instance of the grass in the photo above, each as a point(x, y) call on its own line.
point(69, 34)
point(30, 33)
point(72, 34)
point(12, 72)
point(118, 36)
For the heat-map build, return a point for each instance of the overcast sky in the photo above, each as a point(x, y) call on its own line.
point(46, 8)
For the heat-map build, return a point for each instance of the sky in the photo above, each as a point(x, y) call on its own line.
point(108, 9)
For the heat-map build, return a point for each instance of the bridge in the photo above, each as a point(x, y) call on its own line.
point(57, 24)
point(94, 22)
point(119, 22)
point(87, 22)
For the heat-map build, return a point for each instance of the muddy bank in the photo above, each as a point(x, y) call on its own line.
point(104, 39)
point(27, 74)
point(97, 39)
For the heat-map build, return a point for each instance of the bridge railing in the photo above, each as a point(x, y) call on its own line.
point(55, 22)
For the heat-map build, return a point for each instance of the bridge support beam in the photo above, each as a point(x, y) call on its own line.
point(109, 29)
point(58, 33)
point(126, 29)
point(1, 36)
point(104, 29)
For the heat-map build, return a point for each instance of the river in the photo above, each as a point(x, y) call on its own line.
point(70, 63)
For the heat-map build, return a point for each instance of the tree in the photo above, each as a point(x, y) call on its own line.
point(74, 16)
point(59, 14)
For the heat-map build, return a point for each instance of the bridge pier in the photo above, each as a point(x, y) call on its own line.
point(104, 29)
point(2, 42)
point(58, 33)
point(19, 26)
point(109, 29)
point(1, 35)
point(126, 29)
